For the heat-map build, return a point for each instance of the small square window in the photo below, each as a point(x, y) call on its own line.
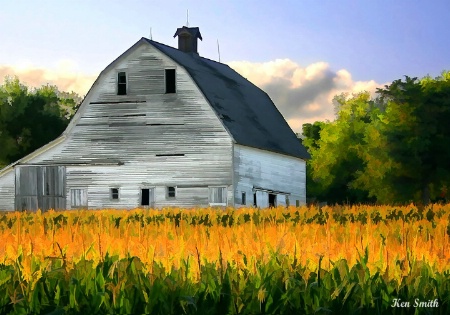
point(171, 192)
point(218, 196)
point(244, 201)
point(115, 193)
point(170, 81)
point(122, 83)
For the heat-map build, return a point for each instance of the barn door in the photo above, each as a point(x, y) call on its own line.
point(26, 197)
point(148, 197)
point(272, 200)
point(262, 199)
point(281, 200)
point(40, 187)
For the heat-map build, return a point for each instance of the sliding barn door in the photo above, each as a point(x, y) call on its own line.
point(40, 187)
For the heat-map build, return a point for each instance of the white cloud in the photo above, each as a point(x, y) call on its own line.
point(302, 94)
point(65, 75)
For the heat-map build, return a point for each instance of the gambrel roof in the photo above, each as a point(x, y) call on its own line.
point(245, 110)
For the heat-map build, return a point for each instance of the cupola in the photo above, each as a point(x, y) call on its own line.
point(187, 39)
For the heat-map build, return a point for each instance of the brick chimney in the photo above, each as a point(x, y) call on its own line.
point(187, 39)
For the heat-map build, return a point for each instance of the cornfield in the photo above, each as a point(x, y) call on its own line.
point(339, 260)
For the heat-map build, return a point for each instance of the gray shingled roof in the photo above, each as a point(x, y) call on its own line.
point(245, 110)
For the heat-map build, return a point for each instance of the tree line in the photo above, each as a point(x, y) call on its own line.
point(393, 148)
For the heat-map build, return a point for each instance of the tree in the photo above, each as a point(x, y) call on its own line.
point(311, 136)
point(337, 156)
point(414, 134)
point(311, 133)
point(30, 118)
point(392, 149)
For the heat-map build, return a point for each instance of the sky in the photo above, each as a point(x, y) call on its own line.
point(302, 53)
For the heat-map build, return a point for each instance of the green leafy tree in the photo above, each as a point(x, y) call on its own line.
point(391, 149)
point(30, 118)
point(311, 134)
point(414, 138)
point(338, 154)
point(311, 137)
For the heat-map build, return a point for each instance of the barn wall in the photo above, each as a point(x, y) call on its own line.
point(130, 179)
point(7, 191)
point(123, 134)
point(271, 171)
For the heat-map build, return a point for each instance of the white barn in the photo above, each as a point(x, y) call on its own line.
point(164, 127)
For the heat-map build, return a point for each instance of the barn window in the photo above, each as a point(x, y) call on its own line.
point(78, 198)
point(297, 203)
point(170, 81)
point(115, 193)
point(244, 201)
point(122, 83)
point(171, 192)
point(218, 196)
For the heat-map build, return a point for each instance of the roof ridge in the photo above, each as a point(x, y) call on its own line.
point(201, 57)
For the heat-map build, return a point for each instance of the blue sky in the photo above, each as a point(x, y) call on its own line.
point(348, 43)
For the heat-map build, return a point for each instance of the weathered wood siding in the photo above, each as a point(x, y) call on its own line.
point(7, 191)
point(118, 137)
point(40, 187)
point(131, 179)
point(270, 171)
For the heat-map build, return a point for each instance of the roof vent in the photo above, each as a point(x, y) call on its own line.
point(187, 39)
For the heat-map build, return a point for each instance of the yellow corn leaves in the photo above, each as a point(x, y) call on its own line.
point(394, 237)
